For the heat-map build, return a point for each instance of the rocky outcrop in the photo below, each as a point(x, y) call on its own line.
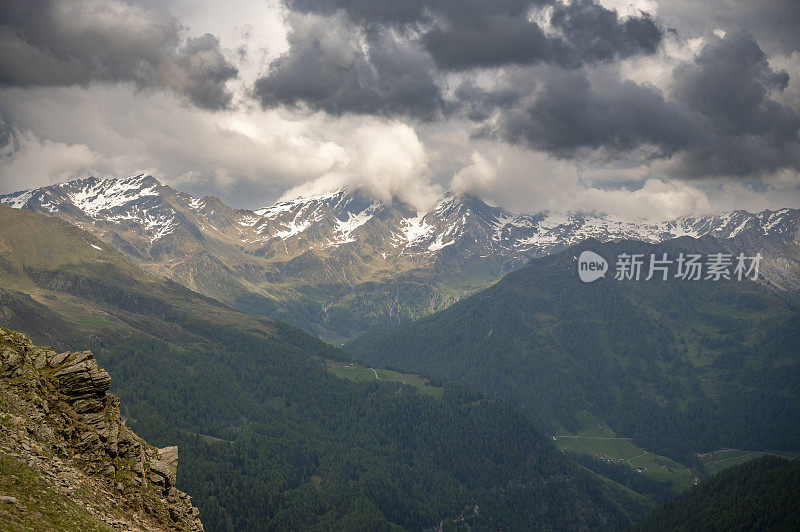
point(57, 415)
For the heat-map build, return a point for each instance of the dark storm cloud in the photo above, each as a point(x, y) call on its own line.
point(206, 71)
point(720, 120)
point(366, 12)
point(48, 42)
point(730, 84)
point(331, 66)
point(562, 114)
point(8, 137)
point(397, 75)
point(462, 34)
point(491, 40)
point(582, 32)
point(479, 104)
point(593, 33)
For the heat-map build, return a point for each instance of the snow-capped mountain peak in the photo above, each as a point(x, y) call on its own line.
point(93, 196)
point(90, 195)
point(131, 200)
point(142, 212)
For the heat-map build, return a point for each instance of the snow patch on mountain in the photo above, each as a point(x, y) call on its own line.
point(275, 210)
point(248, 220)
point(157, 225)
point(739, 228)
point(305, 203)
point(296, 226)
point(97, 196)
point(500, 222)
point(17, 200)
point(197, 203)
point(345, 228)
point(680, 228)
point(439, 244)
point(414, 230)
point(774, 219)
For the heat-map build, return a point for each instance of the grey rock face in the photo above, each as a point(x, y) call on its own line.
point(82, 375)
point(64, 421)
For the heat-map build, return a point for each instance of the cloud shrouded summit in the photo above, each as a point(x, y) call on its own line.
point(590, 104)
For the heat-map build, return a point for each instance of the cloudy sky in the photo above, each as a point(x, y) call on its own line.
point(647, 108)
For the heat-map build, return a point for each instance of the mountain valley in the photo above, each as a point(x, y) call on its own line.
point(270, 436)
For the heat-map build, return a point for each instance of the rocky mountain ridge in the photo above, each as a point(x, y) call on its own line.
point(345, 216)
point(59, 421)
point(339, 262)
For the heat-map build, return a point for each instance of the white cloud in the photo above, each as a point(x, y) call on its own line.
point(656, 200)
point(240, 155)
point(631, 8)
point(516, 178)
point(781, 190)
point(657, 69)
point(385, 159)
point(480, 176)
point(525, 181)
point(28, 155)
point(248, 157)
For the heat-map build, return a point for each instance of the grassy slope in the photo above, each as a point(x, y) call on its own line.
point(39, 506)
point(96, 290)
point(601, 440)
point(357, 373)
point(717, 461)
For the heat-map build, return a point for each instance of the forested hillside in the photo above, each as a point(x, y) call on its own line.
point(268, 436)
point(679, 366)
point(762, 494)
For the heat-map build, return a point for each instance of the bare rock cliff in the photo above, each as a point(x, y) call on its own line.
point(62, 431)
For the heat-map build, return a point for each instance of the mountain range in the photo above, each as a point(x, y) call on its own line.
point(341, 264)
